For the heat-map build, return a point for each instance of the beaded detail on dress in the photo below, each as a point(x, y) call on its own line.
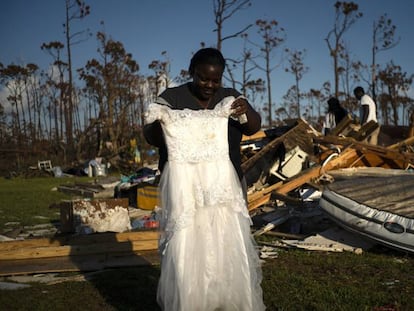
point(200, 145)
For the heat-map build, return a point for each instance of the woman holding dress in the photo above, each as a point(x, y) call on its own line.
point(208, 257)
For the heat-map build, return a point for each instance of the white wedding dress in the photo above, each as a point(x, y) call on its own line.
point(209, 260)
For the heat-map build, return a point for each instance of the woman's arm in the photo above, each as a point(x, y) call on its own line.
point(153, 134)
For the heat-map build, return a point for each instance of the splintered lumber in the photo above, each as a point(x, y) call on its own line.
point(300, 135)
point(364, 131)
point(81, 245)
point(372, 155)
point(93, 262)
point(407, 142)
point(345, 122)
point(259, 202)
point(261, 197)
point(260, 193)
point(78, 253)
point(259, 135)
point(342, 160)
point(77, 250)
point(80, 240)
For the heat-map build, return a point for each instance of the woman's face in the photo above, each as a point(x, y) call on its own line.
point(206, 80)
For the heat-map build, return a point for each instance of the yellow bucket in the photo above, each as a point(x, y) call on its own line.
point(147, 197)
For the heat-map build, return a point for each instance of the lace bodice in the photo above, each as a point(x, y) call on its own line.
point(194, 135)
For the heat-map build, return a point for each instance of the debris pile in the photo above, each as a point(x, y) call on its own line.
point(302, 157)
point(286, 170)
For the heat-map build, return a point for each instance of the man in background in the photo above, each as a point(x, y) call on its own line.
point(368, 113)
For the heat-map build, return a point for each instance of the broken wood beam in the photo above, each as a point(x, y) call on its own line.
point(384, 152)
point(80, 245)
point(364, 131)
point(259, 202)
point(249, 163)
point(78, 250)
point(85, 263)
point(301, 127)
point(260, 193)
point(341, 161)
point(85, 239)
point(345, 122)
point(407, 142)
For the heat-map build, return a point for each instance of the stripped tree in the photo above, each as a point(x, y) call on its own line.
point(383, 38)
point(346, 14)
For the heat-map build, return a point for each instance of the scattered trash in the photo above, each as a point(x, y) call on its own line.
point(267, 252)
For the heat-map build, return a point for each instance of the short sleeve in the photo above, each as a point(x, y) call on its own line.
point(154, 112)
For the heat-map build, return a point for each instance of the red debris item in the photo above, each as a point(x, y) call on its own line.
point(151, 224)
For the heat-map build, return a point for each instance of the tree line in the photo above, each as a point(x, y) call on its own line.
point(96, 110)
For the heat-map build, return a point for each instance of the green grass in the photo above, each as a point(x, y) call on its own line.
point(378, 280)
point(300, 280)
point(27, 200)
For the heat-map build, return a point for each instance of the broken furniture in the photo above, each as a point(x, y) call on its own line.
point(45, 165)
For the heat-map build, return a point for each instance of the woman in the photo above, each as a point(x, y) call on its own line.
point(334, 116)
point(208, 257)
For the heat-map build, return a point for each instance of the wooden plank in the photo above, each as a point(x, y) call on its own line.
point(365, 130)
point(96, 238)
point(306, 176)
point(407, 142)
point(342, 160)
point(385, 152)
point(260, 193)
point(259, 202)
point(301, 130)
point(79, 263)
point(259, 135)
point(345, 122)
point(78, 250)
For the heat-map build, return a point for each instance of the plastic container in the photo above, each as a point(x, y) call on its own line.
point(99, 170)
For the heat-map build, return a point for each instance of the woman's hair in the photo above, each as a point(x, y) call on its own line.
point(359, 89)
point(333, 102)
point(208, 56)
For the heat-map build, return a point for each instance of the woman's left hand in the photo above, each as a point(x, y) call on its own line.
point(239, 107)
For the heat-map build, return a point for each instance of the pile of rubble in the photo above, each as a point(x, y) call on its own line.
point(286, 169)
point(301, 158)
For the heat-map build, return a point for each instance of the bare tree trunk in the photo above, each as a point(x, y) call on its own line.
point(269, 87)
point(69, 101)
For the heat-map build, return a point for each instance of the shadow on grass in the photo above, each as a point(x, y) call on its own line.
point(129, 288)
point(127, 279)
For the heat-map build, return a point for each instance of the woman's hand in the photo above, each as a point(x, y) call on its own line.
point(239, 107)
point(247, 116)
